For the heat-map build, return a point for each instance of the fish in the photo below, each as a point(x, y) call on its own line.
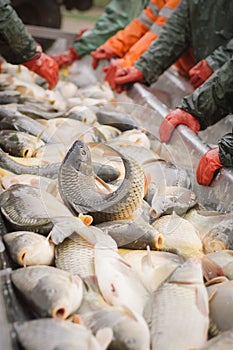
point(9, 96)
point(118, 282)
point(220, 291)
point(76, 253)
point(130, 330)
point(153, 267)
point(31, 209)
point(177, 311)
point(82, 114)
point(47, 170)
point(223, 258)
point(78, 190)
point(205, 221)
point(178, 235)
point(27, 248)
point(8, 179)
point(119, 120)
point(106, 172)
point(56, 334)
point(49, 291)
point(132, 137)
point(108, 131)
point(16, 121)
point(34, 112)
point(223, 341)
point(19, 144)
point(161, 170)
point(130, 234)
point(66, 131)
point(169, 199)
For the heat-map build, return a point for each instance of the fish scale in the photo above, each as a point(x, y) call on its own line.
point(75, 256)
point(78, 190)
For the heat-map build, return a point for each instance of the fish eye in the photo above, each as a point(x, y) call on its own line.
point(83, 152)
point(130, 341)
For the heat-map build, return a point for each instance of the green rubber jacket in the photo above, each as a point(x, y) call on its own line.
point(204, 25)
point(117, 15)
point(16, 45)
point(212, 101)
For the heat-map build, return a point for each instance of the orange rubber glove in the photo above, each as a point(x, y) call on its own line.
point(124, 77)
point(200, 73)
point(65, 59)
point(44, 66)
point(102, 53)
point(173, 119)
point(207, 166)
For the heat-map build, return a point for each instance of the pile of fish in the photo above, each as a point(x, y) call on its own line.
point(107, 245)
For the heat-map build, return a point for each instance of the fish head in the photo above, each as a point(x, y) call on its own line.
point(131, 332)
point(78, 155)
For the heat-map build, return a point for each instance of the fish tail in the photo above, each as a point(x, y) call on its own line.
point(210, 268)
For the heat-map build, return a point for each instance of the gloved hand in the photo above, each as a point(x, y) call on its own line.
point(44, 66)
point(207, 166)
point(110, 71)
point(200, 73)
point(65, 59)
point(173, 119)
point(102, 53)
point(127, 75)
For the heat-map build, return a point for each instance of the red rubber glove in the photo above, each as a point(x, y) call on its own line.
point(173, 119)
point(65, 59)
point(124, 77)
point(44, 66)
point(102, 53)
point(200, 73)
point(110, 71)
point(207, 166)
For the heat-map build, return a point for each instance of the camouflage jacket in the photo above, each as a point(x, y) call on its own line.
point(16, 45)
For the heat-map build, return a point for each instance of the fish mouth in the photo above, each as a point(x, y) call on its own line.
point(159, 241)
point(59, 312)
point(27, 153)
point(22, 258)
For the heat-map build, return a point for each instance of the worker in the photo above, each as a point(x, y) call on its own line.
point(18, 47)
point(129, 44)
point(201, 25)
point(117, 15)
point(208, 104)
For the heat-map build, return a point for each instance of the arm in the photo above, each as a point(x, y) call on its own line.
point(174, 39)
point(16, 45)
point(212, 101)
point(226, 150)
point(220, 55)
point(117, 15)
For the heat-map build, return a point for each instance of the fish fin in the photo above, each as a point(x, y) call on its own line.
point(201, 301)
point(86, 219)
point(91, 284)
point(77, 319)
point(104, 337)
point(129, 313)
point(216, 280)
point(147, 259)
point(211, 296)
point(38, 138)
point(147, 181)
point(103, 183)
point(211, 269)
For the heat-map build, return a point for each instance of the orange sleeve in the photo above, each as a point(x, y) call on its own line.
point(137, 50)
point(126, 38)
